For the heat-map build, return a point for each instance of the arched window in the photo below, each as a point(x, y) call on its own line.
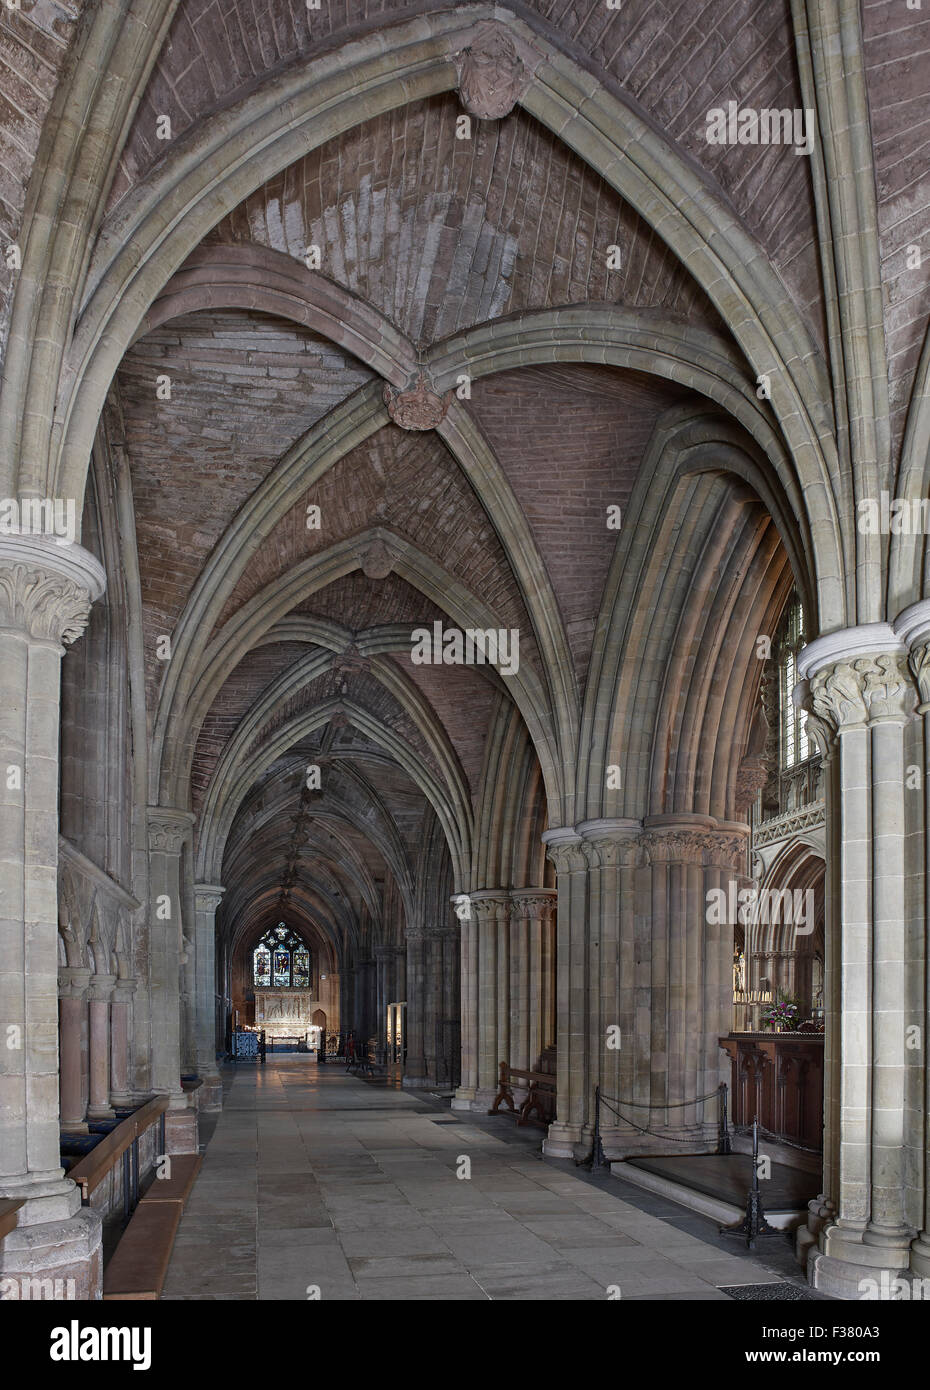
point(281, 960)
point(792, 737)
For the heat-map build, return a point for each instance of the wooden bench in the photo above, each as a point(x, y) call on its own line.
point(9, 1206)
point(136, 1270)
point(540, 1094)
point(177, 1187)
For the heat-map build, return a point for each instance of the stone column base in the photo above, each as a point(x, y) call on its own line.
point(53, 1260)
point(920, 1257)
point(181, 1135)
point(847, 1268)
point(464, 1098)
point(416, 1082)
point(562, 1140)
point(853, 1282)
point(210, 1094)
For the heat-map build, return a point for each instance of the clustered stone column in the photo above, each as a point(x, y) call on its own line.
point(207, 898)
point(565, 849)
point(532, 966)
point(507, 987)
point(415, 1072)
point(914, 628)
point(863, 698)
point(168, 829)
point(465, 1096)
point(46, 592)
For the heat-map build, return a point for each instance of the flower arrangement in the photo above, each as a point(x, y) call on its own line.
point(783, 1014)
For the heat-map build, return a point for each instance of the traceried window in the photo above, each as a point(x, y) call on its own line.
point(793, 741)
point(281, 960)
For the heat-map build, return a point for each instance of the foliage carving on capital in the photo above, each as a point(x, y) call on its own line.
point(168, 830)
point(568, 857)
point(675, 846)
point(492, 75)
point(487, 907)
point(612, 851)
point(207, 899)
point(535, 906)
point(751, 777)
point(46, 606)
point(851, 694)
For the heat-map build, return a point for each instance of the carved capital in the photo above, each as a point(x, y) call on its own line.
point(168, 829)
point(674, 846)
point(207, 896)
point(101, 988)
point(536, 904)
point(490, 904)
point(566, 850)
point(492, 75)
point(853, 694)
point(418, 407)
point(46, 606)
point(73, 981)
point(751, 777)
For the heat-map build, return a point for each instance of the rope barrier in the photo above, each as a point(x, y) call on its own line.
point(665, 1104)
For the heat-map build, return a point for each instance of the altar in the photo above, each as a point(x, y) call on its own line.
point(285, 1013)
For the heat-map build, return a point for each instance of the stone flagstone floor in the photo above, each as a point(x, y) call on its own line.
point(317, 1180)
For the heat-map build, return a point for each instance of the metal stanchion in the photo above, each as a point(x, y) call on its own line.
point(753, 1223)
point(597, 1158)
point(723, 1134)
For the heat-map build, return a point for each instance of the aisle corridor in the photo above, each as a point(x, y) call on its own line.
point(317, 1180)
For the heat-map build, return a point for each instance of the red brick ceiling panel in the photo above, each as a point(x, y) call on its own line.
point(440, 233)
point(897, 52)
point(243, 387)
point(356, 687)
point(257, 670)
point(358, 603)
point(463, 698)
point(571, 440)
point(401, 798)
point(682, 58)
point(410, 483)
point(678, 57)
point(33, 43)
point(215, 52)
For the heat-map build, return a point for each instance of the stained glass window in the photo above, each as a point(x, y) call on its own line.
point(302, 966)
point(262, 966)
point(281, 960)
point(793, 733)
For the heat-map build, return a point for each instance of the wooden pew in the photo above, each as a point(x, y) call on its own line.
point(540, 1094)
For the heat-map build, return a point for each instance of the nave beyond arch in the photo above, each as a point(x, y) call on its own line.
point(323, 369)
